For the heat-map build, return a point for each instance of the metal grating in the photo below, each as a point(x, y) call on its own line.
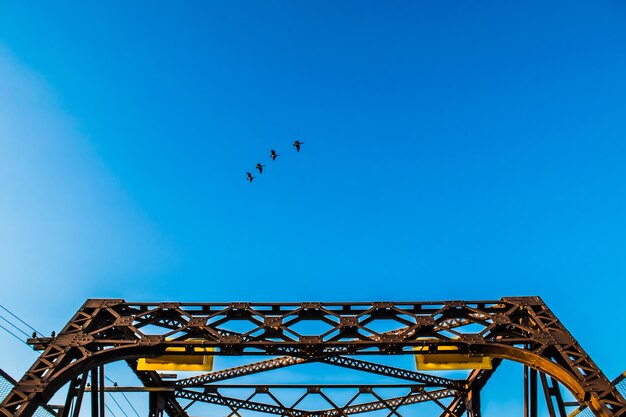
point(620, 384)
point(621, 387)
point(7, 383)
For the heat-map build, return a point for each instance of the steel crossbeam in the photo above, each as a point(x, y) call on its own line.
point(415, 395)
point(412, 398)
point(375, 368)
point(253, 368)
point(247, 404)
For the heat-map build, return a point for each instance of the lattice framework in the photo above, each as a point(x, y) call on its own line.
point(522, 329)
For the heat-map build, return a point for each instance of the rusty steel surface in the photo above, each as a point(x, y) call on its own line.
point(522, 329)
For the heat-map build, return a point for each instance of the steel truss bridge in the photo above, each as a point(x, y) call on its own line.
point(351, 336)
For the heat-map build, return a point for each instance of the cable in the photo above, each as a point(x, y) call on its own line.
point(125, 397)
point(129, 403)
point(22, 321)
point(14, 326)
point(118, 404)
point(14, 335)
point(110, 411)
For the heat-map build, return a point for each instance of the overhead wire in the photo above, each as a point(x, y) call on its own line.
point(125, 397)
point(118, 404)
point(130, 404)
point(20, 320)
point(14, 335)
point(14, 326)
point(110, 411)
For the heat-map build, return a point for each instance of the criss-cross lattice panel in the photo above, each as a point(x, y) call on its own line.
point(6, 385)
point(621, 388)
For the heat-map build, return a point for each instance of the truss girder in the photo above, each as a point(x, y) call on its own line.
point(412, 398)
point(239, 371)
point(350, 363)
point(235, 403)
point(515, 328)
point(375, 368)
point(415, 395)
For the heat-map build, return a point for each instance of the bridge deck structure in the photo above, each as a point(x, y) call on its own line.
point(347, 336)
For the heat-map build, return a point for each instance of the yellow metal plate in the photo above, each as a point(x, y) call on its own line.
point(449, 361)
point(178, 362)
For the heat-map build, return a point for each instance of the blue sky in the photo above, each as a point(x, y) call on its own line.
point(452, 151)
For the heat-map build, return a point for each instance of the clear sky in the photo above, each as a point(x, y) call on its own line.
point(453, 150)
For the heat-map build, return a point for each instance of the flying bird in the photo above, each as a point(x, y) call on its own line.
point(260, 167)
point(273, 154)
point(297, 144)
point(250, 177)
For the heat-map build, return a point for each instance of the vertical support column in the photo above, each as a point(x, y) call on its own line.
point(71, 394)
point(533, 392)
point(556, 392)
point(530, 392)
point(80, 395)
point(552, 393)
point(472, 403)
point(156, 404)
point(94, 392)
point(547, 394)
point(526, 391)
point(102, 391)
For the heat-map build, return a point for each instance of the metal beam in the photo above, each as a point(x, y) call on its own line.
point(375, 368)
point(360, 365)
point(416, 395)
point(253, 368)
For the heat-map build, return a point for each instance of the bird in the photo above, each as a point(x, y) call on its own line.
point(54, 334)
point(250, 177)
point(297, 144)
point(260, 167)
point(34, 335)
point(273, 154)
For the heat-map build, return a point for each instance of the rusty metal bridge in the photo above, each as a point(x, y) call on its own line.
point(347, 337)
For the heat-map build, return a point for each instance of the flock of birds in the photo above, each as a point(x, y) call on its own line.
point(273, 155)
